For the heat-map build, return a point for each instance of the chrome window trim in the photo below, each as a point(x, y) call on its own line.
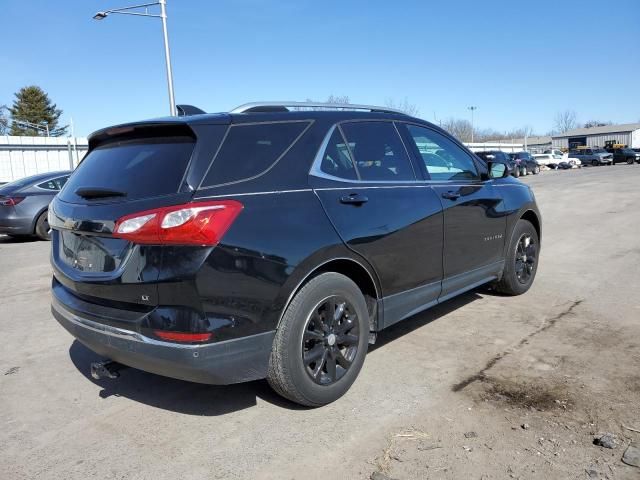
point(274, 192)
point(309, 123)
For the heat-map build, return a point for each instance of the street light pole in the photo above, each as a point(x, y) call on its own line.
point(165, 35)
point(167, 57)
point(472, 108)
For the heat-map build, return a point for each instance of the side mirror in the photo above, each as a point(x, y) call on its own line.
point(498, 170)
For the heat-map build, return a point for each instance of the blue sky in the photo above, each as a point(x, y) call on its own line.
point(520, 63)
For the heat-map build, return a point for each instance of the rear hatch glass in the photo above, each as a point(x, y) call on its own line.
point(134, 168)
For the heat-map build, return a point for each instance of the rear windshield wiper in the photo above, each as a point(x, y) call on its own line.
point(98, 192)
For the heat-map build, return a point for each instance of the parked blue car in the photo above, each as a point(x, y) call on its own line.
point(24, 204)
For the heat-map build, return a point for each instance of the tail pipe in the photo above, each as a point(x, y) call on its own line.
point(106, 369)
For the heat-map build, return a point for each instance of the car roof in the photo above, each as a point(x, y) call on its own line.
point(40, 177)
point(225, 118)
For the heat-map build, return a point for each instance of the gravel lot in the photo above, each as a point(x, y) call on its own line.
point(481, 387)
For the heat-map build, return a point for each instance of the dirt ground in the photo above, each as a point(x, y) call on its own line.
point(481, 387)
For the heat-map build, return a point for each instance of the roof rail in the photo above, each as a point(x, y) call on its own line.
point(282, 107)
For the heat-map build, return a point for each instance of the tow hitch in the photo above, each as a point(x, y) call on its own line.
point(106, 369)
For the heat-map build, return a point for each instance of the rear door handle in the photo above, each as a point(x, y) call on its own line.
point(451, 195)
point(354, 199)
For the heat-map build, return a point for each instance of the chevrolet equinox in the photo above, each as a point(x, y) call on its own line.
point(276, 240)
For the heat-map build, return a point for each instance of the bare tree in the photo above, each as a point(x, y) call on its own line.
point(461, 129)
point(338, 99)
point(4, 120)
point(565, 121)
point(596, 123)
point(404, 106)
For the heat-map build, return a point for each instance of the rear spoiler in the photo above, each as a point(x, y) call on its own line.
point(136, 131)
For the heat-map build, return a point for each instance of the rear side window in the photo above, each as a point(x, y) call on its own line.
point(54, 184)
point(251, 150)
point(141, 168)
point(378, 151)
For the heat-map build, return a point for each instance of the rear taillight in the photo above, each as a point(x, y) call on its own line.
point(182, 336)
point(201, 223)
point(10, 201)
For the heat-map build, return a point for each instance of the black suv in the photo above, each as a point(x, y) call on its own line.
point(223, 248)
point(526, 163)
point(622, 155)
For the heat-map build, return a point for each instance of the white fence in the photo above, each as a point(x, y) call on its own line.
point(24, 156)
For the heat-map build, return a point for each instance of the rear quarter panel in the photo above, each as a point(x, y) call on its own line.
point(245, 282)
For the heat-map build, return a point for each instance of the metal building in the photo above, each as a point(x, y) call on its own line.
point(626, 134)
point(24, 156)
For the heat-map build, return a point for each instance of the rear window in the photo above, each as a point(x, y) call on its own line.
point(141, 168)
point(250, 150)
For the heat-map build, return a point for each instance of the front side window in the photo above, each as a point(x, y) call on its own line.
point(443, 159)
point(378, 151)
point(250, 150)
point(336, 160)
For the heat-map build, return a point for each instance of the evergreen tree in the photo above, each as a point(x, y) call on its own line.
point(33, 105)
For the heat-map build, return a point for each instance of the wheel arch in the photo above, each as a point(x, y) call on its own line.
point(36, 217)
point(533, 218)
point(363, 276)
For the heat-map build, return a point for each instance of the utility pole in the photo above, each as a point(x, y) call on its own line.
point(473, 109)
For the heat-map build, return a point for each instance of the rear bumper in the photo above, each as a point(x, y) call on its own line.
point(222, 363)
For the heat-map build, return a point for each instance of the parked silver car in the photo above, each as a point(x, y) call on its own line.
point(592, 156)
point(24, 204)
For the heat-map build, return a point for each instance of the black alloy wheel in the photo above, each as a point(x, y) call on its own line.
point(330, 340)
point(525, 258)
point(321, 341)
point(521, 261)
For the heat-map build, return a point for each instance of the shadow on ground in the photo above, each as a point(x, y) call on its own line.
point(5, 239)
point(213, 400)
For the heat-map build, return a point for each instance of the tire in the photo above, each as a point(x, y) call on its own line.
point(42, 227)
point(524, 171)
point(594, 163)
point(536, 170)
point(516, 172)
point(516, 281)
point(293, 378)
